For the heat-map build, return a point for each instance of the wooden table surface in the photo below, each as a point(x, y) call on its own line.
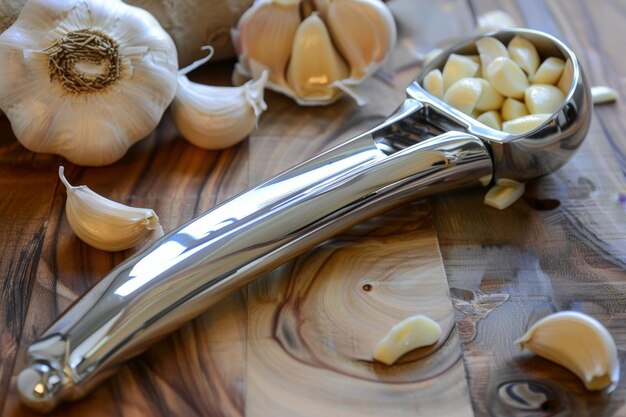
point(298, 341)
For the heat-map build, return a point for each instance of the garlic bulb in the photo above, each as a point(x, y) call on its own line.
point(217, 117)
point(105, 224)
point(314, 50)
point(579, 343)
point(85, 79)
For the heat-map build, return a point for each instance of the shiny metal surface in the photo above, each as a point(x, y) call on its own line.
point(407, 157)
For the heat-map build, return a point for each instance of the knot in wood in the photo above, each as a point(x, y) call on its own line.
point(84, 47)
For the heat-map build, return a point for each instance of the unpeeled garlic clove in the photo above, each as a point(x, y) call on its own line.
point(315, 65)
point(579, 343)
point(411, 333)
point(105, 224)
point(213, 117)
point(277, 21)
point(363, 32)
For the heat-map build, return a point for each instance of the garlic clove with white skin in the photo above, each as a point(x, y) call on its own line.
point(106, 224)
point(86, 79)
point(315, 65)
point(363, 32)
point(217, 117)
point(579, 343)
point(337, 44)
point(264, 37)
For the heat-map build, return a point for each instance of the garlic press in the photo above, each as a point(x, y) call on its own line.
point(425, 147)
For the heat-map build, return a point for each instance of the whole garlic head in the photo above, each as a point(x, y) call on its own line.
point(314, 50)
point(85, 79)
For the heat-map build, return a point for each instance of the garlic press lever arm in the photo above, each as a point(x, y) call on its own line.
point(203, 261)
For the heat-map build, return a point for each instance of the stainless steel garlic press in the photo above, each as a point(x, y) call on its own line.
point(425, 147)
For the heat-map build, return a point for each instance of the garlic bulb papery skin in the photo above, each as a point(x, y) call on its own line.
point(105, 224)
point(217, 117)
point(85, 79)
point(314, 51)
point(579, 343)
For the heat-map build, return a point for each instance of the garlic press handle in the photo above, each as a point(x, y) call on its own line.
point(208, 258)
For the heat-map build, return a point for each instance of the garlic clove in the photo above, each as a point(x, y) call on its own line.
point(489, 49)
point(507, 77)
point(567, 77)
point(513, 109)
point(433, 83)
point(579, 343)
point(105, 224)
point(525, 123)
point(495, 20)
point(315, 65)
point(543, 98)
point(492, 118)
point(364, 33)
point(264, 37)
point(602, 94)
point(217, 117)
point(411, 333)
point(490, 98)
point(504, 193)
point(524, 54)
point(549, 71)
point(464, 94)
point(456, 68)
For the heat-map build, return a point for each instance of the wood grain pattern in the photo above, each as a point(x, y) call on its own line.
point(298, 341)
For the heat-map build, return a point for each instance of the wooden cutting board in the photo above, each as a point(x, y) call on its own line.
point(298, 341)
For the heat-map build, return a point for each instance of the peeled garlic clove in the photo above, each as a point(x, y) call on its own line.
point(549, 71)
point(504, 193)
point(490, 98)
point(277, 22)
point(217, 117)
point(602, 94)
point(363, 31)
point(507, 77)
point(430, 55)
point(579, 343)
point(456, 68)
point(525, 123)
point(543, 98)
point(492, 119)
point(105, 224)
point(513, 109)
point(489, 49)
point(495, 20)
point(433, 83)
point(315, 65)
point(567, 77)
point(464, 94)
point(524, 53)
point(411, 333)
